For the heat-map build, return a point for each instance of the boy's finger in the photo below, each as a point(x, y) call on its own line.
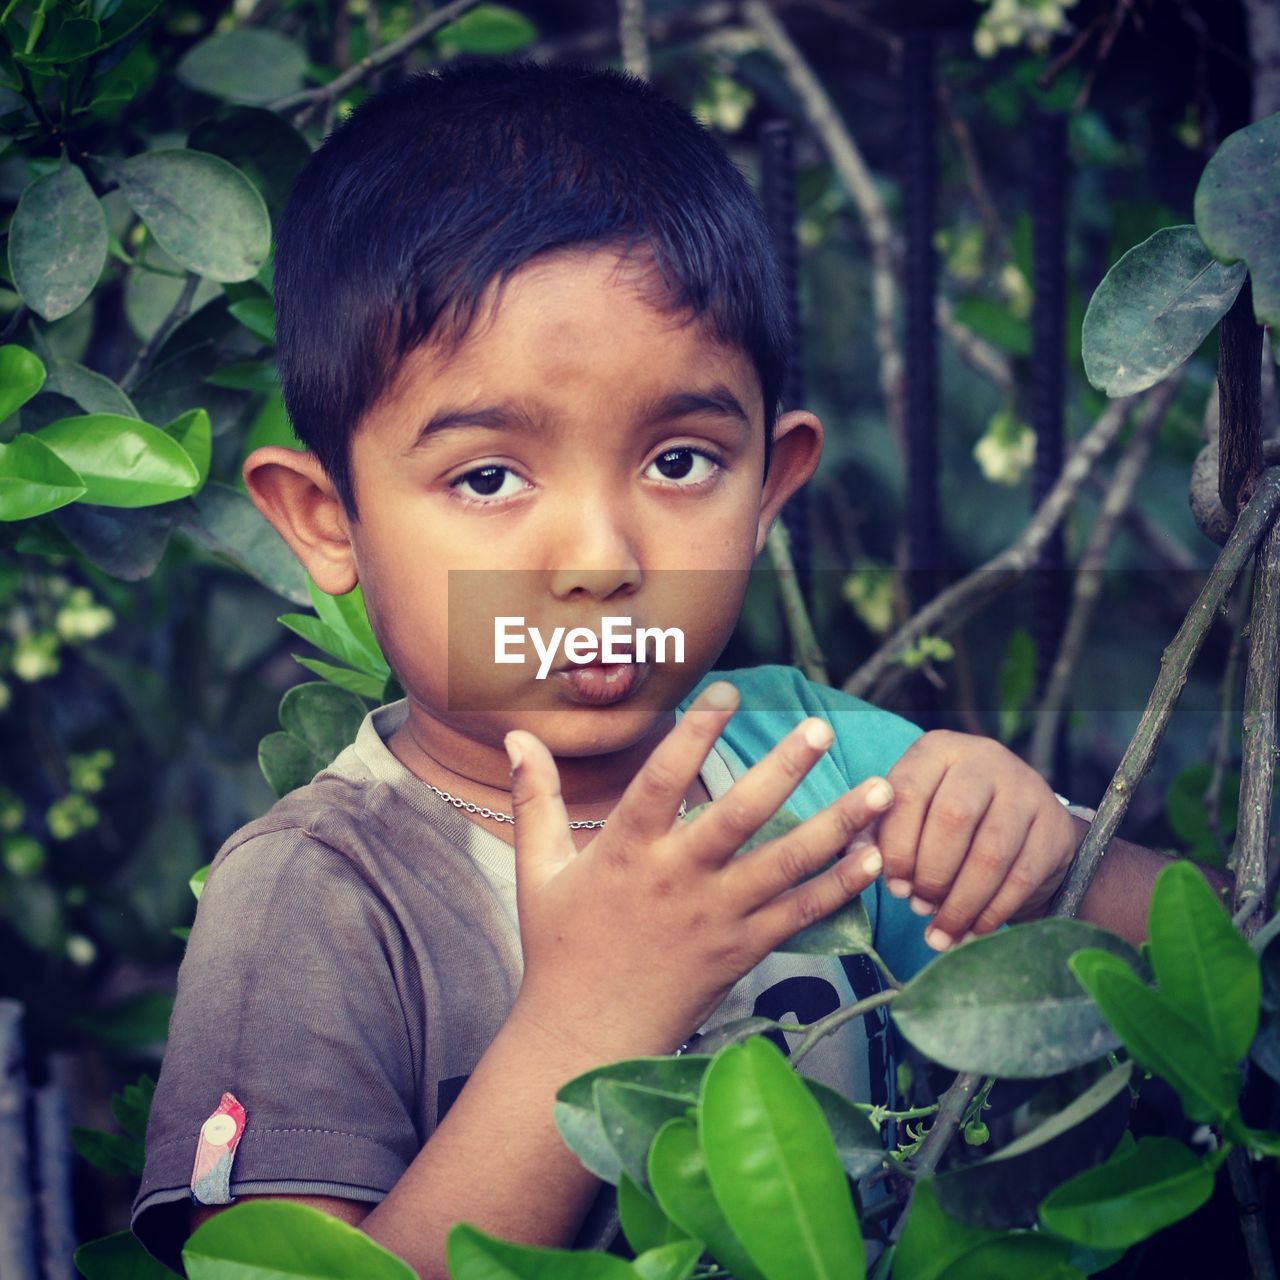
point(1034, 863)
point(649, 804)
point(949, 838)
point(993, 858)
point(813, 900)
point(914, 779)
point(543, 843)
point(846, 827)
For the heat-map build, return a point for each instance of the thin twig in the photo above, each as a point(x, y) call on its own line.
point(1087, 586)
point(1169, 553)
point(633, 37)
point(1175, 664)
point(976, 352)
point(1252, 1224)
point(986, 206)
point(834, 1021)
point(151, 348)
point(1249, 858)
point(949, 610)
point(861, 186)
point(1226, 705)
point(805, 650)
point(307, 101)
point(951, 1108)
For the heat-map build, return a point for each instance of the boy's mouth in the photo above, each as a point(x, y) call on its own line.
point(598, 684)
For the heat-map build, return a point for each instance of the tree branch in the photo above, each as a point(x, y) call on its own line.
point(310, 99)
point(1249, 858)
point(151, 348)
point(1175, 664)
point(949, 610)
point(805, 650)
point(1089, 574)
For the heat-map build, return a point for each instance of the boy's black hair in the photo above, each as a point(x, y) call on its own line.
point(449, 180)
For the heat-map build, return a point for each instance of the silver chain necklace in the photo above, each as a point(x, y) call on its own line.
point(480, 809)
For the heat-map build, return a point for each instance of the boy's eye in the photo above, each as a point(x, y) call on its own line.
point(490, 481)
point(685, 465)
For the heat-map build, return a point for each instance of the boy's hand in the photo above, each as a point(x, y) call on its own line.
point(635, 940)
point(975, 835)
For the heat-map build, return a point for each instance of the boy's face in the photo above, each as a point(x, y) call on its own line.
point(581, 454)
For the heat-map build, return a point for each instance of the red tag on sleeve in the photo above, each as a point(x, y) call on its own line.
point(215, 1150)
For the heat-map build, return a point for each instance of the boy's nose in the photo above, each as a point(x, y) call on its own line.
point(595, 551)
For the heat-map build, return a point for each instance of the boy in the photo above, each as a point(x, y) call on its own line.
point(531, 335)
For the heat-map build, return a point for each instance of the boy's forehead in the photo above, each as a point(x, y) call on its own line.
point(577, 313)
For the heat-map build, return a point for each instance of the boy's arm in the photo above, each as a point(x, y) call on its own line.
point(628, 947)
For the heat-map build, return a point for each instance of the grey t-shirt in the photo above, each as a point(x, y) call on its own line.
point(354, 953)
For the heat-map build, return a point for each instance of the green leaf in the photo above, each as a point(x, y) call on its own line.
point(365, 686)
point(122, 461)
point(932, 1241)
point(338, 644)
point(1005, 1190)
point(1205, 968)
point(347, 615)
point(1153, 309)
point(630, 1117)
point(194, 433)
point(1238, 209)
point(773, 1167)
point(1020, 1253)
point(126, 544)
point(643, 1223)
point(224, 520)
point(132, 1105)
point(133, 1023)
point(678, 1175)
point(472, 1255)
point(245, 64)
point(268, 150)
point(858, 1142)
point(287, 763)
point(1131, 1197)
point(1017, 680)
point(324, 718)
point(487, 29)
point(22, 374)
point(246, 375)
point(111, 1152)
point(93, 392)
point(1184, 805)
point(1159, 1037)
point(127, 17)
point(1007, 1005)
point(197, 882)
point(578, 1120)
point(203, 211)
point(65, 40)
point(674, 1261)
point(33, 480)
point(995, 322)
point(118, 1257)
point(57, 242)
point(270, 1239)
point(258, 316)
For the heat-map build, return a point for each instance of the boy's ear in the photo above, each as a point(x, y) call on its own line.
point(291, 489)
point(797, 446)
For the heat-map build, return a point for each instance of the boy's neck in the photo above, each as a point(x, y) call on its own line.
point(474, 771)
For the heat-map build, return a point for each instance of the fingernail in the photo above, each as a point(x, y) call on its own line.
point(899, 888)
point(938, 940)
point(514, 753)
point(880, 796)
point(818, 734)
point(969, 936)
point(923, 908)
point(720, 696)
point(873, 863)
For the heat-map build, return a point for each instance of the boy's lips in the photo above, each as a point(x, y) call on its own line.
point(598, 684)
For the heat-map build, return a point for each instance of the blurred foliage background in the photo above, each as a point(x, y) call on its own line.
point(141, 660)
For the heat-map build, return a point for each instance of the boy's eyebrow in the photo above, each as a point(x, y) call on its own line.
point(506, 416)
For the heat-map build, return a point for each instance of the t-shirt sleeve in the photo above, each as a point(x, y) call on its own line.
point(288, 997)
